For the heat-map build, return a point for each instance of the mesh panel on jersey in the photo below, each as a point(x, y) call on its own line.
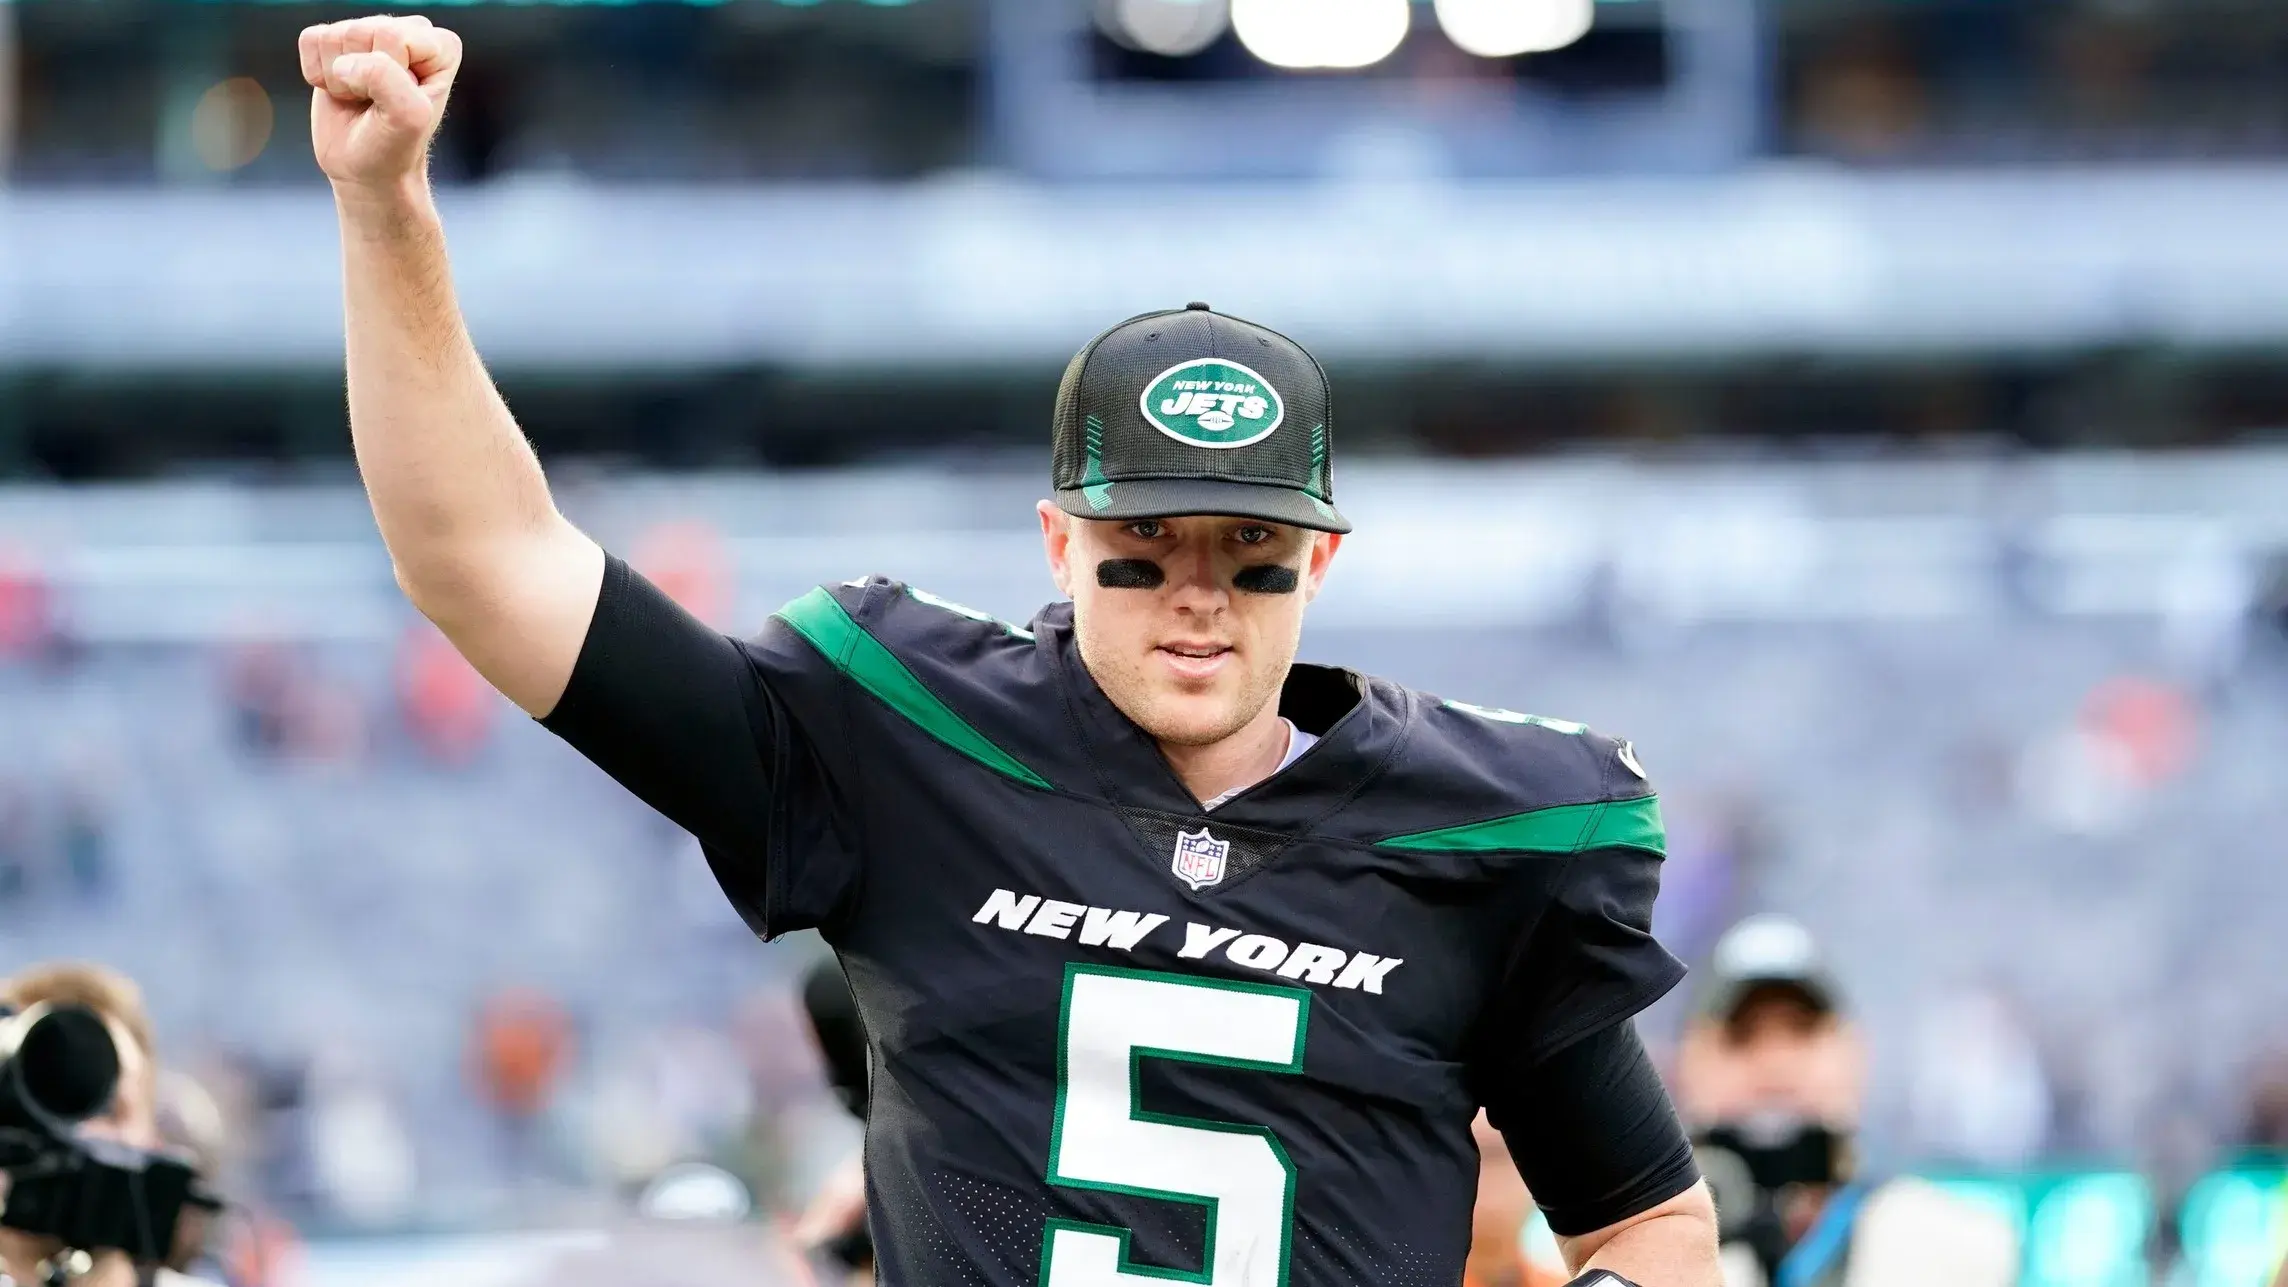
point(1007, 1222)
point(1010, 1224)
point(1167, 1235)
point(1250, 850)
point(906, 1227)
point(1343, 1262)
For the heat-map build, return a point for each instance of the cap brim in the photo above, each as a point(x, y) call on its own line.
point(1178, 497)
point(1726, 998)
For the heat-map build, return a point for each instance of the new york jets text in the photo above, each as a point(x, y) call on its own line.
point(1111, 927)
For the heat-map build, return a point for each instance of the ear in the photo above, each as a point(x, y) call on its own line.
point(1056, 542)
point(1322, 557)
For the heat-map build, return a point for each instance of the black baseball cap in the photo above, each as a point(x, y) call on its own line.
point(1189, 411)
point(1767, 951)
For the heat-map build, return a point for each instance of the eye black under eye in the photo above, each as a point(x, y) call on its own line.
point(1268, 578)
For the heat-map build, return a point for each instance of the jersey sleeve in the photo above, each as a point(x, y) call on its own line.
point(730, 739)
point(1593, 1134)
point(1592, 960)
point(1604, 1145)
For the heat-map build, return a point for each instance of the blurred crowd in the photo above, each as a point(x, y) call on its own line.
point(1975, 83)
point(567, 1127)
point(413, 966)
point(764, 90)
point(492, 1082)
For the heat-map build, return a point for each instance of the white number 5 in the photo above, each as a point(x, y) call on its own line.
point(1114, 1019)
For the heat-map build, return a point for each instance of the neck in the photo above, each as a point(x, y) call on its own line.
point(1235, 763)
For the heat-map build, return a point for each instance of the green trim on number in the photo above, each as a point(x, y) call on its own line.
point(820, 618)
point(1127, 1265)
point(1565, 829)
point(1136, 1057)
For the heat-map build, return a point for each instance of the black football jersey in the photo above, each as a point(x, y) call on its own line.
point(1117, 1039)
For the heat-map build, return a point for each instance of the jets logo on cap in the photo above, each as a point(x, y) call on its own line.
point(1209, 402)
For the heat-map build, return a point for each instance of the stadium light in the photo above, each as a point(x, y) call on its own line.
point(1505, 28)
point(1321, 33)
point(231, 124)
point(1170, 28)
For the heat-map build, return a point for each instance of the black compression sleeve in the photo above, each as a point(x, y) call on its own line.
point(674, 711)
point(1594, 1134)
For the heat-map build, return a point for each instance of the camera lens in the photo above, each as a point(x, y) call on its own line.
point(65, 1067)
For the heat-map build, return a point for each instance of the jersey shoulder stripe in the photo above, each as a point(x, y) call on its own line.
point(821, 619)
point(1562, 829)
point(1479, 780)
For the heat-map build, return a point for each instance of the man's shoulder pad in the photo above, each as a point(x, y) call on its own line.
point(1480, 778)
point(1531, 759)
point(905, 616)
point(962, 677)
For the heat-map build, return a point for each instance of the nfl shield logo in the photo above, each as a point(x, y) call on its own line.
point(1199, 858)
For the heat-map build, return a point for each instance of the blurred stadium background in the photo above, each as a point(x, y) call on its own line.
point(1874, 408)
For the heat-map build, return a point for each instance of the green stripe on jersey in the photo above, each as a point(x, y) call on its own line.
point(821, 618)
point(1565, 829)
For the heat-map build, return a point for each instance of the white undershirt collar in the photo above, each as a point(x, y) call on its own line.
point(1298, 742)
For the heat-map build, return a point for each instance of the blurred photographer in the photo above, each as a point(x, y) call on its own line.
point(1771, 1078)
point(85, 1195)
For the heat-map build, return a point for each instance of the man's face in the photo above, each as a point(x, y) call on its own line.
point(1778, 1055)
point(1194, 658)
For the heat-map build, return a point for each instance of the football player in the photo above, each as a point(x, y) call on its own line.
point(1177, 960)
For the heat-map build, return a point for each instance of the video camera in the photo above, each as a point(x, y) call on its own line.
point(1755, 1168)
point(58, 1068)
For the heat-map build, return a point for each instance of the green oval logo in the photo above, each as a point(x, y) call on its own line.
point(1209, 402)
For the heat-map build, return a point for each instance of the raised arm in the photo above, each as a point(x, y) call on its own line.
point(476, 541)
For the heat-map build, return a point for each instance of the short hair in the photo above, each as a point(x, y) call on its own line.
point(98, 987)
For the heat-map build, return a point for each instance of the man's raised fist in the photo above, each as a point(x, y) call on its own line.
point(377, 90)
